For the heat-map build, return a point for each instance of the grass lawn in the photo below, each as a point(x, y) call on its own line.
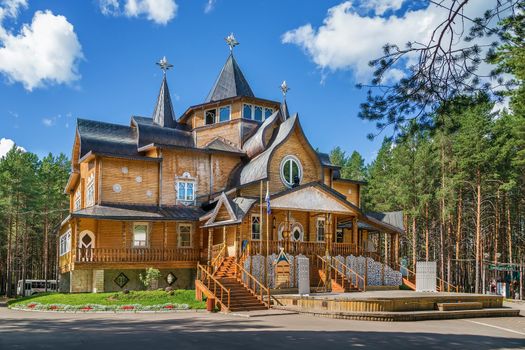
point(115, 298)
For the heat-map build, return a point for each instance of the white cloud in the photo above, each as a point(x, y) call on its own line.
point(158, 11)
point(48, 121)
point(348, 40)
point(6, 145)
point(44, 52)
point(382, 6)
point(210, 5)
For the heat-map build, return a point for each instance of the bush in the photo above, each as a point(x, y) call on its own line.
point(150, 278)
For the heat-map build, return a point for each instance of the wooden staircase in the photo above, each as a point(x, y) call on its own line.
point(337, 279)
point(240, 297)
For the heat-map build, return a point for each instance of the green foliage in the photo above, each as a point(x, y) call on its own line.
point(150, 278)
point(352, 167)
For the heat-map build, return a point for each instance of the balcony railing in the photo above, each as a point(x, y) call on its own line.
point(140, 255)
point(305, 248)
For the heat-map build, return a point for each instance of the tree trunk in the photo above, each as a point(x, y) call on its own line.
point(426, 232)
point(478, 231)
point(458, 237)
point(509, 228)
point(414, 241)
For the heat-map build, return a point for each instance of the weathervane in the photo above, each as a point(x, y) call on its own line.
point(164, 65)
point(284, 88)
point(231, 41)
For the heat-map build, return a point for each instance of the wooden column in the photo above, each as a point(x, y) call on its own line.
point(165, 235)
point(354, 234)
point(386, 248)
point(210, 243)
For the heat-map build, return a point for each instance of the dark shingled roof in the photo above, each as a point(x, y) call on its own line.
point(393, 218)
point(102, 137)
point(325, 160)
point(230, 83)
point(139, 212)
point(163, 115)
point(149, 133)
point(256, 143)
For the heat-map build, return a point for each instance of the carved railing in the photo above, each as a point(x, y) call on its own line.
point(219, 256)
point(221, 293)
point(116, 255)
point(252, 284)
point(342, 271)
point(291, 247)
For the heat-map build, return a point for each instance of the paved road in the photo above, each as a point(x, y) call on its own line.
point(32, 330)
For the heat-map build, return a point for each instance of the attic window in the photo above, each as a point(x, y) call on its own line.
point(247, 111)
point(258, 113)
point(210, 116)
point(291, 171)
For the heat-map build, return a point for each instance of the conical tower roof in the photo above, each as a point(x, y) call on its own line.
point(163, 115)
point(230, 83)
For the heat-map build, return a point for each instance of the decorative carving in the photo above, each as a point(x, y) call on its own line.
point(138, 179)
point(171, 278)
point(121, 280)
point(117, 188)
point(124, 170)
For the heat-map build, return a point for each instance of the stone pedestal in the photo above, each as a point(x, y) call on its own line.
point(98, 281)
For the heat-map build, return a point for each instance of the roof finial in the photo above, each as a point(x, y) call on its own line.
point(284, 88)
point(231, 41)
point(164, 65)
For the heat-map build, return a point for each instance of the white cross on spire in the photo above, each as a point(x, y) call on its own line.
point(164, 65)
point(231, 41)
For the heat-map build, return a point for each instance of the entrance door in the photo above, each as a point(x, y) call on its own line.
point(230, 240)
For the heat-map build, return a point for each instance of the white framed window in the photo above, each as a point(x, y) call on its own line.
point(254, 112)
point(320, 229)
point(268, 112)
point(140, 234)
point(65, 243)
point(247, 111)
point(256, 227)
point(78, 199)
point(90, 191)
point(185, 186)
point(258, 113)
point(184, 232)
point(291, 171)
point(210, 116)
point(186, 191)
point(224, 114)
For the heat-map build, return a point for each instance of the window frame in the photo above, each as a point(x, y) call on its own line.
point(251, 111)
point(77, 199)
point(252, 217)
point(184, 224)
point(317, 221)
point(185, 197)
point(65, 243)
point(299, 167)
point(90, 190)
point(146, 241)
point(214, 120)
point(219, 114)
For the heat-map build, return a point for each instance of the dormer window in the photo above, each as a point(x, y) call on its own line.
point(257, 113)
point(210, 116)
point(291, 171)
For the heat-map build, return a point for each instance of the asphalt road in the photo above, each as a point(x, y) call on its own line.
point(35, 330)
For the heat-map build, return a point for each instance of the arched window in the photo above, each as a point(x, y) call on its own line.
point(291, 171)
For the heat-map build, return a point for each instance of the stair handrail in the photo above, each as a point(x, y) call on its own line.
point(347, 271)
point(448, 284)
point(223, 290)
point(217, 261)
point(238, 274)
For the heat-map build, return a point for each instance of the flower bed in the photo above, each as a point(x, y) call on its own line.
point(98, 307)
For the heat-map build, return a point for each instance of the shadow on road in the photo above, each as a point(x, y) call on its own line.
point(197, 332)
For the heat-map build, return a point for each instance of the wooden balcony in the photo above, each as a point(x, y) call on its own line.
point(137, 257)
point(304, 248)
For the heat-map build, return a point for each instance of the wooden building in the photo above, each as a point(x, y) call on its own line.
point(173, 193)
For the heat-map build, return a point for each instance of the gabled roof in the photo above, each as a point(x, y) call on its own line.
point(325, 160)
point(163, 115)
point(220, 144)
point(230, 83)
point(237, 209)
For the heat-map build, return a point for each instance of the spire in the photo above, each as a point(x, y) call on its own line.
point(231, 82)
point(163, 115)
point(284, 105)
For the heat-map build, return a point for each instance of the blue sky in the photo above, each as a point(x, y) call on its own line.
point(319, 47)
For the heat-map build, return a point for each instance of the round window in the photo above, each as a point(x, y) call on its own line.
point(296, 234)
point(291, 171)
